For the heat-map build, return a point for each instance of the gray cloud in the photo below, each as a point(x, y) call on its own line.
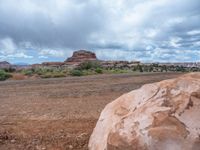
point(50, 23)
point(131, 29)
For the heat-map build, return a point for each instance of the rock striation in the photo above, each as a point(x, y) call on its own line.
point(81, 56)
point(158, 116)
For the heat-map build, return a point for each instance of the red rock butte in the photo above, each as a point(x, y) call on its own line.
point(81, 56)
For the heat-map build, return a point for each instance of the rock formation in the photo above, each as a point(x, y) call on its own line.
point(6, 65)
point(81, 56)
point(53, 63)
point(158, 116)
point(119, 64)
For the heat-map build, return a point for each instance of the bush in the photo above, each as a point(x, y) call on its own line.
point(53, 75)
point(4, 75)
point(89, 65)
point(140, 68)
point(119, 71)
point(59, 75)
point(42, 71)
point(76, 72)
point(98, 70)
point(27, 72)
point(10, 69)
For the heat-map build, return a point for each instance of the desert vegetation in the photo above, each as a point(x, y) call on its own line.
point(4, 75)
point(84, 63)
point(91, 68)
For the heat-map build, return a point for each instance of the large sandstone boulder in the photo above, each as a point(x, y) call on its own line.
point(81, 56)
point(158, 116)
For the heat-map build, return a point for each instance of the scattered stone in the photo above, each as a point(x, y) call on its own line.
point(44, 148)
point(82, 135)
point(161, 116)
point(70, 147)
point(13, 141)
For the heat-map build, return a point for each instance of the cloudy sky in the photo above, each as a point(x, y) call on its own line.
point(34, 31)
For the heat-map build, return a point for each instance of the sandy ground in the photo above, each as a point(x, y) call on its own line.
point(60, 114)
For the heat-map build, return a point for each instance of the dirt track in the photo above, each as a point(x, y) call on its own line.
point(59, 114)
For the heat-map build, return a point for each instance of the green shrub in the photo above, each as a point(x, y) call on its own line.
point(117, 71)
point(140, 68)
point(58, 75)
point(180, 68)
point(47, 75)
point(53, 75)
point(4, 75)
point(42, 71)
point(89, 65)
point(10, 69)
point(27, 72)
point(76, 72)
point(98, 70)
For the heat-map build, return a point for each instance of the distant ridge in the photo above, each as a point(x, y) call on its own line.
point(5, 65)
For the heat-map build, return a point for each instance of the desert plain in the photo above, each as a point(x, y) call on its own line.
point(60, 113)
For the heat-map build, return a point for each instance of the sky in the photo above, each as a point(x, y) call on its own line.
point(35, 31)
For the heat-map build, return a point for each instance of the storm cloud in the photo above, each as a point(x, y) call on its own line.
point(146, 30)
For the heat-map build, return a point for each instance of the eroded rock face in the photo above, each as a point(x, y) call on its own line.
point(158, 116)
point(81, 56)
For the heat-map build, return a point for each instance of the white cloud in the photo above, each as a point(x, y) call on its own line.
point(50, 52)
point(19, 55)
point(7, 46)
point(193, 32)
point(9, 50)
point(174, 20)
point(43, 57)
point(151, 33)
point(174, 42)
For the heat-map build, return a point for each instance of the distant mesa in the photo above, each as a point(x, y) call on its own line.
point(11, 67)
point(75, 60)
point(81, 56)
point(5, 65)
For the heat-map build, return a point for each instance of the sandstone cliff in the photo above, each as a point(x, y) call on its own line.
point(81, 56)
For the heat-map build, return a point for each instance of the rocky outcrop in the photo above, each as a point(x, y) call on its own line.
point(158, 116)
point(52, 64)
point(183, 64)
point(119, 64)
point(81, 56)
point(114, 64)
point(6, 65)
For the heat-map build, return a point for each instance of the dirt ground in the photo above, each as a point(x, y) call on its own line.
point(60, 114)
